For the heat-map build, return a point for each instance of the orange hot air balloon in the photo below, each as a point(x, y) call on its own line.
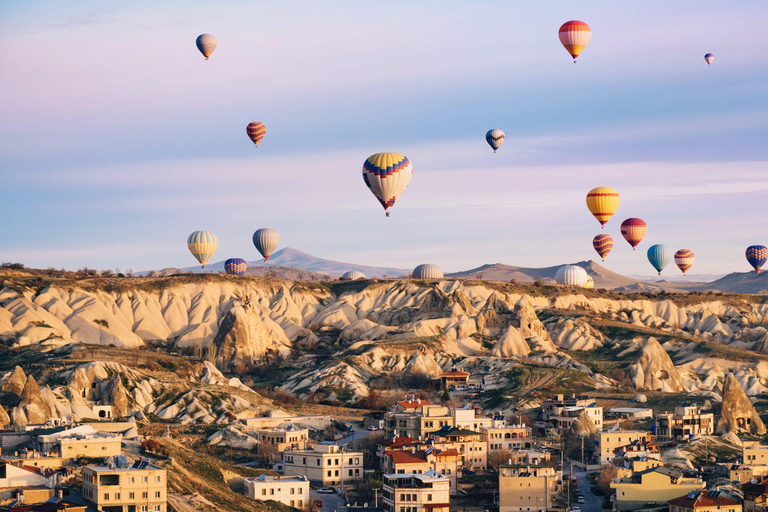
point(684, 259)
point(256, 132)
point(633, 230)
point(603, 244)
point(603, 203)
point(575, 36)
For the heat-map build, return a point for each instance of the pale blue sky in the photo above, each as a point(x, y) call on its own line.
point(118, 139)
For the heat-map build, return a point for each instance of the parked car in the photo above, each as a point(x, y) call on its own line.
point(581, 499)
point(325, 490)
point(372, 428)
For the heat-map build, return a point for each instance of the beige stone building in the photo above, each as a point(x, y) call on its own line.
point(687, 421)
point(141, 487)
point(527, 488)
point(445, 463)
point(428, 492)
point(282, 439)
point(471, 446)
point(288, 490)
point(607, 442)
point(80, 441)
point(654, 485)
point(324, 464)
point(508, 437)
point(753, 453)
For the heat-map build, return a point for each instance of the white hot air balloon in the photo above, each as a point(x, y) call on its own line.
point(571, 275)
point(266, 241)
point(353, 275)
point(206, 43)
point(495, 138)
point(427, 271)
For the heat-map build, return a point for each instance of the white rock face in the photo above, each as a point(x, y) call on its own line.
point(654, 370)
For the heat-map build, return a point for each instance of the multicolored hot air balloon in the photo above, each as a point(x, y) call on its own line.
point(575, 36)
point(206, 43)
point(757, 255)
point(266, 241)
point(684, 259)
point(571, 275)
point(256, 132)
point(633, 230)
point(235, 266)
point(603, 244)
point(202, 245)
point(659, 256)
point(495, 138)
point(603, 203)
point(387, 175)
point(710, 58)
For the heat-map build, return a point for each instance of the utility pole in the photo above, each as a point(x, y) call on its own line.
point(376, 497)
point(582, 449)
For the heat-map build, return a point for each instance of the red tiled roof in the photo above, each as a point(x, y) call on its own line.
point(412, 404)
point(760, 487)
point(701, 501)
point(401, 457)
point(448, 453)
point(399, 441)
point(455, 373)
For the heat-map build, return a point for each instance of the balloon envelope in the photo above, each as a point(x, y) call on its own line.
point(603, 203)
point(235, 266)
point(757, 256)
point(659, 256)
point(353, 275)
point(709, 58)
point(633, 230)
point(266, 241)
point(571, 275)
point(574, 36)
point(386, 175)
point(590, 284)
point(202, 245)
point(206, 43)
point(603, 244)
point(256, 132)
point(427, 271)
point(684, 258)
point(495, 138)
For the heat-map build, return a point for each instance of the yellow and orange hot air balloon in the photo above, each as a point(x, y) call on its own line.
point(603, 203)
point(603, 244)
point(256, 132)
point(684, 258)
point(575, 36)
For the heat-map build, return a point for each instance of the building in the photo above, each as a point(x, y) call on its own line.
point(753, 453)
point(279, 419)
point(467, 417)
point(445, 463)
point(12, 476)
point(80, 441)
point(52, 504)
point(561, 411)
point(508, 437)
point(427, 492)
point(454, 379)
point(704, 501)
point(529, 457)
point(282, 439)
point(141, 487)
point(324, 464)
point(527, 488)
point(471, 446)
point(629, 413)
point(417, 418)
point(637, 449)
point(654, 485)
point(288, 490)
point(755, 495)
point(607, 442)
point(687, 421)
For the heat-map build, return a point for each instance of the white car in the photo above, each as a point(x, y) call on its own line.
point(372, 428)
point(324, 490)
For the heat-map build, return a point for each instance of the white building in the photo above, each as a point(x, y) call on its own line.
point(428, 492)
point(324, 464)
point(288, 490)
point(25, 476)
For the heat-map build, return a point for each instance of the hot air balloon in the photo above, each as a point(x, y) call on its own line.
point(603, 203)
point(256, 132)
point(603, 244)
point(684, 259)
point(206, 43)
point(710, 58)
point(633, 230)
point(659, 255)
point(266, 241)
point(575, 36)
point(353, 275)
point(590, 284)
point(387, 175)
point(757, 255)
point(427, 271)
point(235, 266)
point(495, 138)
point(202, 245)
point(571, 275)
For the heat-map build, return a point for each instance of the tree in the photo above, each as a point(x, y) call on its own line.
point(498, 457)
point(606, 476)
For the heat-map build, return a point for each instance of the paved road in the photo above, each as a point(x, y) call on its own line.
point(331, 502)
point(359, 433)
point(594, 503)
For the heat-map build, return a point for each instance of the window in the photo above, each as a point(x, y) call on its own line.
point(271, 492)
point(301, 503)
point(292, 503)
point(318, 462)
point(301, 491)
point(263, 492)
point(106, 496)
point(429, 497)
point(337, 473)
point(303, 460)
point(157, 479)
point(143, 508)
point(157, 494)
point(133, 480)
point(158, 508)
point(350, 472)
point(131, 495)
point(117, 495)
point(329, 472)
point(145, 479)
point(144, 495)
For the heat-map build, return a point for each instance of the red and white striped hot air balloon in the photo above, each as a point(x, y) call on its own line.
point(575, 36)
point(684, 258)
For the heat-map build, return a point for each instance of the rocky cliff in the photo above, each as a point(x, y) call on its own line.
point(738, 414)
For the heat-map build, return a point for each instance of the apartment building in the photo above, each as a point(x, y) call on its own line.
point(141, 487)
point(704, 501)
point(413, 418)
point(427, 492)
point(454, 379)
point(753, 453)
point(508, 437)
point(80, 441)
point(445, 463)
point(471, 446)
point(527, 488)
point(607, 442)
point(755, 495)
point(324, 464)
point(282, 439)
point(467, 417)
point(655, 485)
point(687, 421)
point(288, 490)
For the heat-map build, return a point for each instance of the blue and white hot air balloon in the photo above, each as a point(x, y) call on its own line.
point(659, 256)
